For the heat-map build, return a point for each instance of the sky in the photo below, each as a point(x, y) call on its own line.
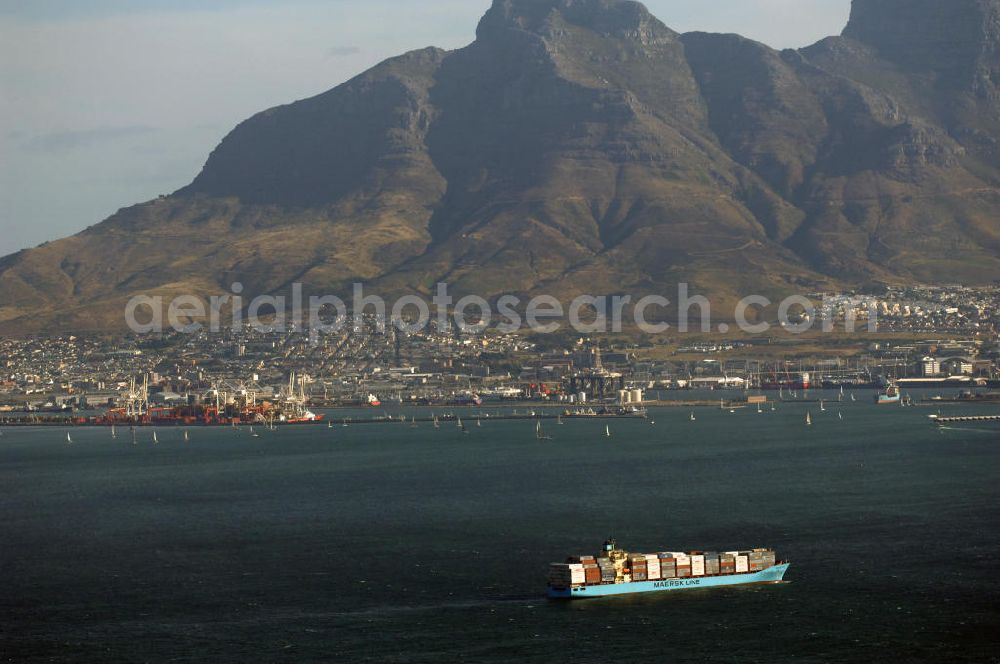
point(108, 103)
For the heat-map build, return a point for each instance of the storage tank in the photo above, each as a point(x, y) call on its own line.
point(636, 396)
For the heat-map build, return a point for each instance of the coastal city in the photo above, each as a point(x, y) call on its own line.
point(951, 342)
point(511, 330)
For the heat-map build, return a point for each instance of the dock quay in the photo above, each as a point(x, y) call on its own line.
point(965, 419)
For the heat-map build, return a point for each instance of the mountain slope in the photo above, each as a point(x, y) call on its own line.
point(581, 146)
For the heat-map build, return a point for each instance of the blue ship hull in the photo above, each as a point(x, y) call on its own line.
point(769, 575)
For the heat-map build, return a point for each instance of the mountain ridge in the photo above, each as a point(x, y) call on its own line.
point(579, 146)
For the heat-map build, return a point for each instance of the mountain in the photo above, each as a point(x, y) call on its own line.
point(582, 146)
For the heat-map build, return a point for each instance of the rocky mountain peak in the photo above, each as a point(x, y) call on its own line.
point(581, 146)
point(616, 18)
point(950, 37)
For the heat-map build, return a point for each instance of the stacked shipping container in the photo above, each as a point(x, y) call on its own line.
point(591, 570)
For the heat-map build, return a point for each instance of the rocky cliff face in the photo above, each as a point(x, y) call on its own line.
point(582, 146)
point(955, 39)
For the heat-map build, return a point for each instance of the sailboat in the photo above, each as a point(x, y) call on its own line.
point(822, 406)
point(186, 437)
point(437, 425)
point(607, 431)
point(852, 398)
point(479, 422)
point(155, 440)
point(840, 416)
point(774, 408)
point(329, 425)
point(809, 419)
point(69, 438)
point(345, 421)
point(693, 418)
point(413, 422)
point(114, 434)
point(462, 426)
point(253, 433)
point(759, 411)
point(559, 419)
point(539, 435)
point(134, 441)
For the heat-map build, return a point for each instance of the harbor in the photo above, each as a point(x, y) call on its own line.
point(241, 517)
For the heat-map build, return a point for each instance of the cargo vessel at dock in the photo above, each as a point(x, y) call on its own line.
point(891, 396)
point(224, 405)
point(618, 572)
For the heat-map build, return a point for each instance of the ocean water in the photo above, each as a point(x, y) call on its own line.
point(387, 543)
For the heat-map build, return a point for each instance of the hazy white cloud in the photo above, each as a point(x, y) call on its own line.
point(60, 141)
point(111, 102)
point(343, 51)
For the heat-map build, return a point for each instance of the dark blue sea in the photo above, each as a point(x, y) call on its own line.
point(388, 543)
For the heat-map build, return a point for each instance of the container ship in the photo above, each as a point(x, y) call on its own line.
point(618, 572)
point(788, 382)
